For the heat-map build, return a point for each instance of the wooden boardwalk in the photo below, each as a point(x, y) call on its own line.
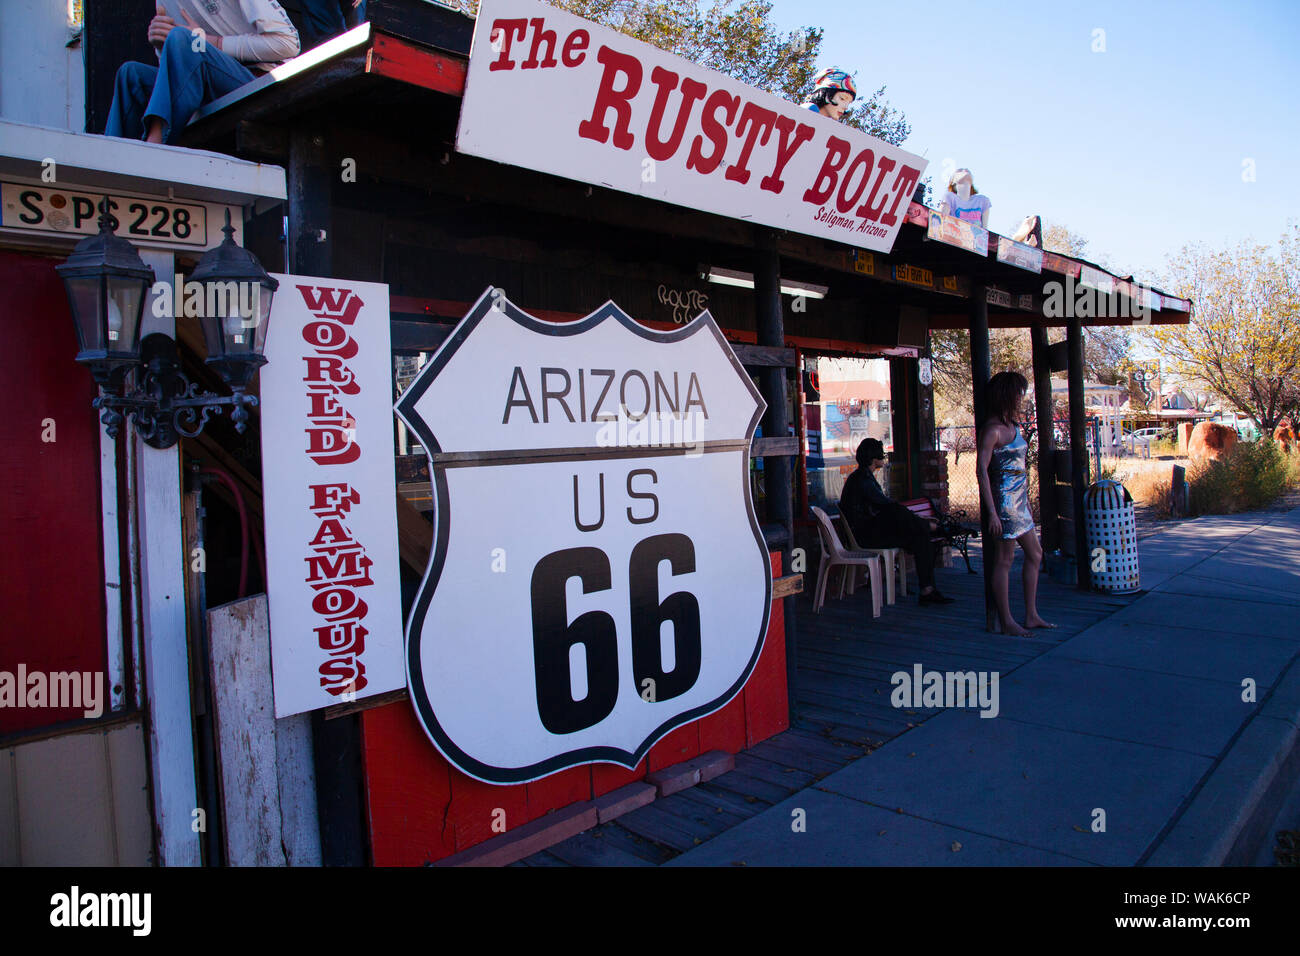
point(843, 706)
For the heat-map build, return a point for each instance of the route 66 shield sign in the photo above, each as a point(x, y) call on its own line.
point(598, 575)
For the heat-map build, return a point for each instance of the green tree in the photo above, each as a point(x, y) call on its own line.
point(1059, 239)
point(1243, 340)
point(735, 37)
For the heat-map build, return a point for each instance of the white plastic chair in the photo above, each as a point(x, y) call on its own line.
point(835, 554)
point(894, 561)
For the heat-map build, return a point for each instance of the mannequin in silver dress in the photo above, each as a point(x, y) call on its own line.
point(1004, 490)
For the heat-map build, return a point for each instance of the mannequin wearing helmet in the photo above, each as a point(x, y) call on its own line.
point(834, 91)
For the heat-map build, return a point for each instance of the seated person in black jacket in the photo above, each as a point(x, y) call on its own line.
point(878, 522)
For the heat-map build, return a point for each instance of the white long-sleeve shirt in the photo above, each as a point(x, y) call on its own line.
point(257, 33)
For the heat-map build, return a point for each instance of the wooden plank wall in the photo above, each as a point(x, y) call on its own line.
point(78, 799)
point(268, 776)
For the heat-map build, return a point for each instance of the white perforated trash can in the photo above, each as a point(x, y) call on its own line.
point(1111, 527)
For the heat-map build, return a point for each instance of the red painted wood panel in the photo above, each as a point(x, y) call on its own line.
point(767, 709)
point(408, 789)
point(422, 809)
point(51, 545)
point(724, 729)
point(409, 63)
point(607, 777)
point(478, 807)
point(558, 790)
point(681, 744)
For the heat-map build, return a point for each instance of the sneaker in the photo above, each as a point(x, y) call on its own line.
point(934, 597)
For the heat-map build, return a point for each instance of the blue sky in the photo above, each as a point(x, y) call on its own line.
point(1140, 148)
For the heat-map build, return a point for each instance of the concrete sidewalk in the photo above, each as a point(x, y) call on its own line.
point(1137, 722)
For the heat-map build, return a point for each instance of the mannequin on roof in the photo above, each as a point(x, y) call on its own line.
point(834, 91)
point(964, 201)
point(1030, 232)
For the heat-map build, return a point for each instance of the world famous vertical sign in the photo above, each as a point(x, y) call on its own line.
point(328, 490)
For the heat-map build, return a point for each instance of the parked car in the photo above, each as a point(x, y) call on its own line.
point(1152, 434)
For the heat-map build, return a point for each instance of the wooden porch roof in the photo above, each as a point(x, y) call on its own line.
point(401, 76)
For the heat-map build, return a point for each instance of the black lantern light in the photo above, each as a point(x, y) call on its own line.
point(107, 285)
point(237, 296)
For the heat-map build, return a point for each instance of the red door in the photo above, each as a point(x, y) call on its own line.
point(51, 551)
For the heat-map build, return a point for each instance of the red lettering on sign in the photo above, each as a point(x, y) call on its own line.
point(715, 131)
point(341, 305)
point(333, 500)
point(331, 338)
point(333, 446)
point(343, 675)
point(609, 97)
point(837, 151)
point(905, 184)
point(332, 433)
point(692, 90)
point(577, 42)
point(756, 118)
point(330, 532)
point(865, 159)
point(338, 603)
point(347, 637)
point(324, 406)
point(790, 139)
point(503, 33)
point(868, 209)
point(331, 371)
point(541, 36)
point(336, 566)
point(347, 566)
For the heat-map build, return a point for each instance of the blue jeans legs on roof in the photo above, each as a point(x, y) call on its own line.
point(183, 80)
point(321, 19)
point(324, 19)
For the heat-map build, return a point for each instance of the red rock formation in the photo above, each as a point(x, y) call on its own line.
point(1210, 440)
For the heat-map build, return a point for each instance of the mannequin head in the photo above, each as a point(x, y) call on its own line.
point(832, 102)
point(962, 183)
point(834, 91)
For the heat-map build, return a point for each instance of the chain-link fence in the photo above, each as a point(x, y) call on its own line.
point(959, 441)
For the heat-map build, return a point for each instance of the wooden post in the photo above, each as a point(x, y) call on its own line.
point(905, 425)
point(1078, 449)
point(337, 743)
point(166, 663)
point(979, 377)
point(776, 471)
point(1046, 441)
point(310, 194)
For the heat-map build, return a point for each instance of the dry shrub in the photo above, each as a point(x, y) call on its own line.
point(1150, 488)
point(1249, 476)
